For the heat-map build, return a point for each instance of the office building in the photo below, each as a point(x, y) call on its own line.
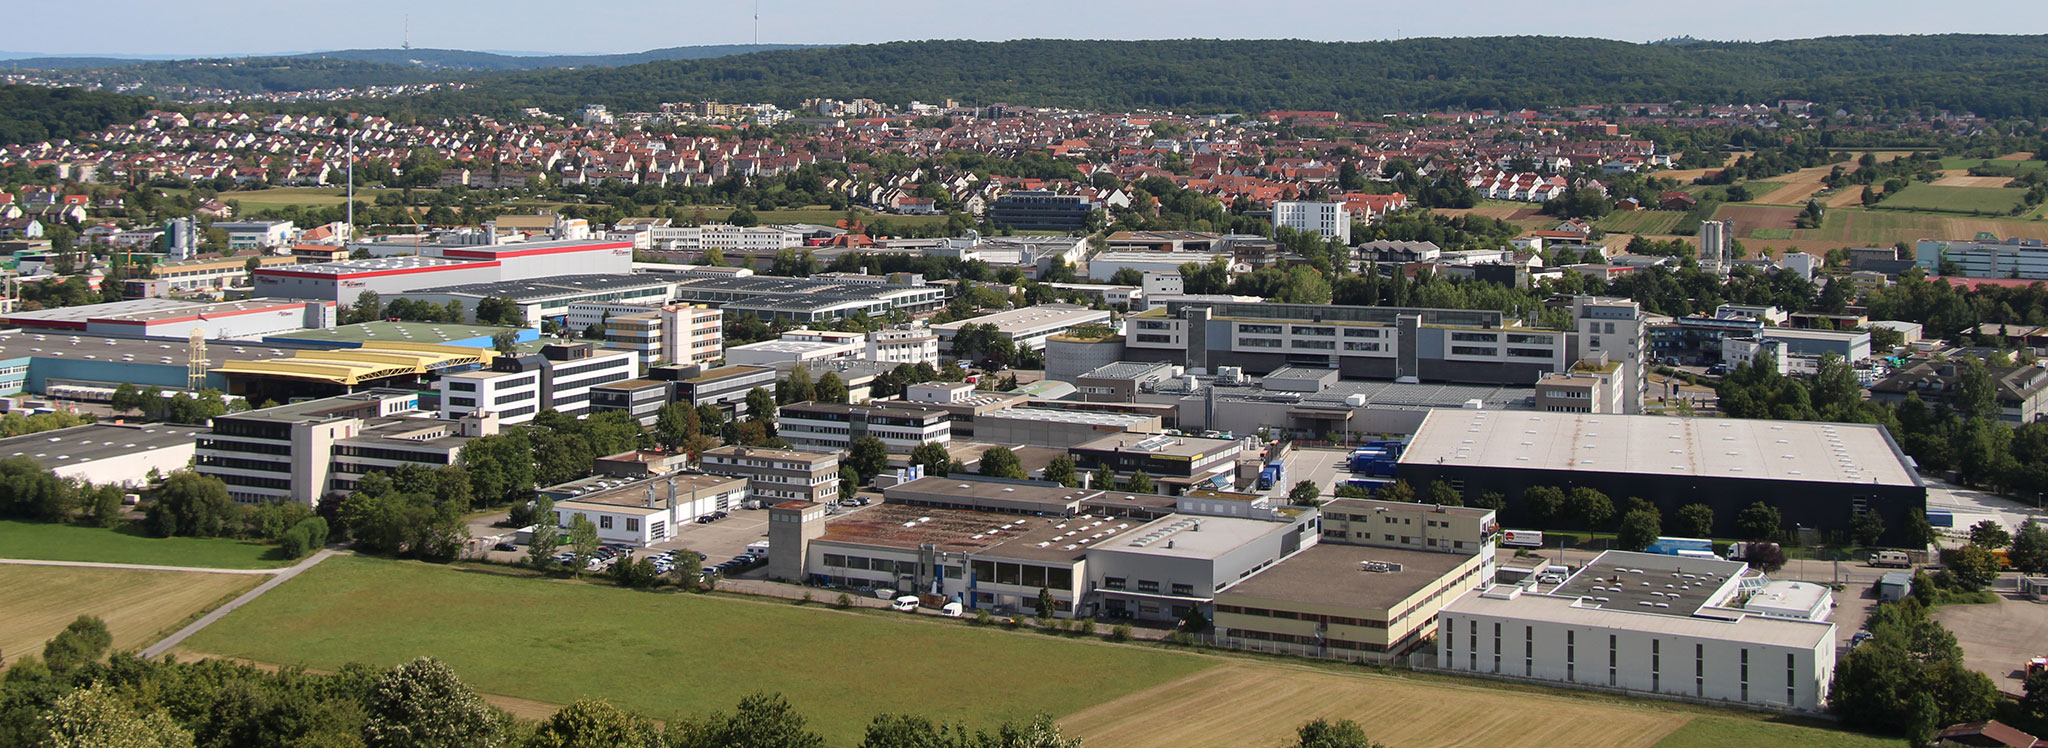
point(833, 427)
point(2012, 258)
point(303, 451)
point(1647, 623)
point(515, 388)
point(907, 344)
point(725, 387)
point(775, 476)
point(1818, 475)
point(640, 399)
point(1331, 221)
point(798, 347)
point(256, 234)
point(1039, 210)
point(1344, 602)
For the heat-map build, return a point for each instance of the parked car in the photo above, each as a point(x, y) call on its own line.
point(504, 545)
point(906, 603)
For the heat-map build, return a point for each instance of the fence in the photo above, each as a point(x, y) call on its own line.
point(1293, 649)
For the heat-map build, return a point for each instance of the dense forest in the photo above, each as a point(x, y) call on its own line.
point(29, 113)
point(1991, 75)
point(453, 59)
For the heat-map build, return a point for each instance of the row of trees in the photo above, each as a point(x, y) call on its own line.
point(369, 307)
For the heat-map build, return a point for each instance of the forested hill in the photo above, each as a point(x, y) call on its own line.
point(466, 60)
point(29, 114)
point(1992, 75)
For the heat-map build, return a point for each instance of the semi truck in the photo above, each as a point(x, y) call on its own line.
point(1377, 458)
point(1673, 546)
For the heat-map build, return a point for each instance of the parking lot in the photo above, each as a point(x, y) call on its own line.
point(718, 541)
point(1324, 467)
point(1998, 638)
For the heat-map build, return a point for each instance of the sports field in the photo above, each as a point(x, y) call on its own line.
point(1954, 199)
point(129, 545)
point(138, 606)
point(1248, 705)
point(670, 655)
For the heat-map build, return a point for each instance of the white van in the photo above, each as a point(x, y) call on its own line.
point(758, 549)
point(952, 610)
point(1897, 559)
point(906, 603)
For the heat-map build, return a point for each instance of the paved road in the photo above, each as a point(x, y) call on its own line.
point(145, 567)
point(277, 578)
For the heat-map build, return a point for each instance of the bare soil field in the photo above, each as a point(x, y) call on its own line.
point(1794, 193)
point(139, 606)
point(1962, 178)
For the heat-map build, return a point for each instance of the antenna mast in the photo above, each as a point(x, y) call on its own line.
point(757, 23)
point(408, 31)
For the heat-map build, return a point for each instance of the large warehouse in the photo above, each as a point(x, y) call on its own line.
point(1817, 474)
point(445, 266)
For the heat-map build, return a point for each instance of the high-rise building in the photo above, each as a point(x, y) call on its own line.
point(1328, 220)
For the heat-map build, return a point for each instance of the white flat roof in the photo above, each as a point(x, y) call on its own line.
point(1753, 629)
point(1031, 318)
point(1661, 445)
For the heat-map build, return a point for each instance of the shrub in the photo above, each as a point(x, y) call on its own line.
point(843, 602)
point(1086, 626)
point(808, 598)
point(1121, 633)
point(982, 617)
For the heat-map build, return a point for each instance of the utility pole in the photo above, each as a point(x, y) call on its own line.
point(351, 190)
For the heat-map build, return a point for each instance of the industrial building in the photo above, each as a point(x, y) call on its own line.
point(167, 318)
point(108, 453)
point(1176, 463)
point(809, 299)
point(778, 475)
point(2021, 391)
point(445, 265)
point(547, 298)
point(1061, 429)
point(646, 511)
point(211, 274)
point(1817, 474)
point(303, 451)
point(2011, 258)
point(1345, 602)
point(1389, 343)
point(1645, 623)
point(328, 371)
point(1027, 327)
point(996, 544)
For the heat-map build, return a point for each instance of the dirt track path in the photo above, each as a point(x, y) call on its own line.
point(144, 567)
point(278, 577)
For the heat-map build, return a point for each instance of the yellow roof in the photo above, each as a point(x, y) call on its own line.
point(375, 360)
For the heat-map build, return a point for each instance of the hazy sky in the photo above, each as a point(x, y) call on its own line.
point(230, 27)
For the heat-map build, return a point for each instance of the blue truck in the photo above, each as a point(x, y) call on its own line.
point(1377, 458)
point(1273, 474)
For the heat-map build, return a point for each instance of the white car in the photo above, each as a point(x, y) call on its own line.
point(906, 603)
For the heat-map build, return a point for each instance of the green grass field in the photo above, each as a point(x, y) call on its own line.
point(670, 655)
point(1771, 234)
point(1721, 732)
point(1762, 188)
point(1993, 200)
point(1639, 221)
point(128, 545)
point(2016, 166)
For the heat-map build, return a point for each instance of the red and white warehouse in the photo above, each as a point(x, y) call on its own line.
point(445, 265)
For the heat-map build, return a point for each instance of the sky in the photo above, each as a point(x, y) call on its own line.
point(244, 27)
